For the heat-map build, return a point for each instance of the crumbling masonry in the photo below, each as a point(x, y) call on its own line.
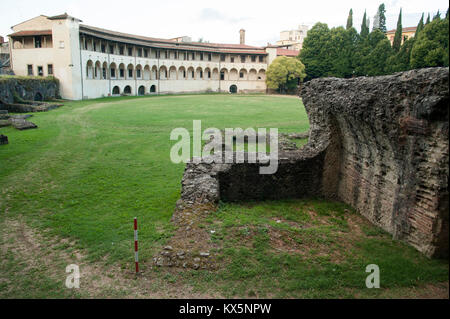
point(379, 144)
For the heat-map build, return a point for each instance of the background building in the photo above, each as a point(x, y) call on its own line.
point(293, 39)
point(4, 57)
point(407, 33)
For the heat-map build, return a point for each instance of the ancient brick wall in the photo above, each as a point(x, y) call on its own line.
point(379, 144)
point(394, 149)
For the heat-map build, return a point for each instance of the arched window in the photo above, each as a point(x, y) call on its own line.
point(116, 90)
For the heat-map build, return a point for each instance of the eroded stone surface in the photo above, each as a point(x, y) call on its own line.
point(379, 144)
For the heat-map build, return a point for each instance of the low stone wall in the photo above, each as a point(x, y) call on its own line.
point(379, 144)
point(13, 88)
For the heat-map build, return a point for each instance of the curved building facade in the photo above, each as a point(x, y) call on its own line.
point(91, 62)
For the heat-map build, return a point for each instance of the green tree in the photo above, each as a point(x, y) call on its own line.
point(364, 28)
point(419, 27)
point(398, 34)
point(379, 22)
point(400, 61)
point(446, 15)
point(285, 73)
point(431, 45)
point(315, 51)
point(342, 47)
point(437, 16)
point(428, 19)
point(350, 20)
point(373, 54)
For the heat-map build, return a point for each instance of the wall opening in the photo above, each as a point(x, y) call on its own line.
point(127, 90)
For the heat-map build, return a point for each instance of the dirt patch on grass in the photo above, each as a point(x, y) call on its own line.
point(97, 279)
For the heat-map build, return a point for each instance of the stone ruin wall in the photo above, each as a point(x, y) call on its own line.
point(26, 88)
point(379, 144)
point(394, 154)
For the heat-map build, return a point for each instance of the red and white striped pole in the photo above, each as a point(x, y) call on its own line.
point(136, 257)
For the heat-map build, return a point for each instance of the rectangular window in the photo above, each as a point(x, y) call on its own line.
point(85, 44)
point(193, 56)
point(184, 73)
point(201, 74)
point(113, 73)
point(201, 56)
point(95, 46)
point(130, 51)
point(209, 74)
point(122, 73)
point(30, 69)
point(222, 57)
point(121, 48)
point(192, 74)
point(209, 56)
point(111, 49)
point(38, 42)
point(138, 73)
point(184, 57)
point(139, 52)
point(40, 71)
point(104, 73)
point(241, 75)
point(145, 53)
point(242, 58)
point(232, 59)
point(103, 48)
point(165, 54)
point(158, 54)
point(253, 58)
point(261, 58)
point(222, 76)
point(50, 69)
point(130, 73)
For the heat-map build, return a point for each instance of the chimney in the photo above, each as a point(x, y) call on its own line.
point(242, 36)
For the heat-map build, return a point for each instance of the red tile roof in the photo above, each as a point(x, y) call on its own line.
point(407, 29)
point(169, 43)
point(31, 33)
point(287, 52)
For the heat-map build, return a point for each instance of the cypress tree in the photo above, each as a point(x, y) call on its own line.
point(419, 27)
point(350, 20)
point(437, 16)
point(428, 19)
point(364, 29)
point(380, 19)
point(446, 15)
point(398, 34)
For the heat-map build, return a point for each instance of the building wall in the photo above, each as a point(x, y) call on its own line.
point(80, 69)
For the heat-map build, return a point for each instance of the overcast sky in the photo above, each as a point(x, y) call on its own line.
point(215, 21)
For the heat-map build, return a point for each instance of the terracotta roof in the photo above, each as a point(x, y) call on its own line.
point(287, 52)
point(62, 17)
point(407, 29)
point(31, 33)
point(168, 43)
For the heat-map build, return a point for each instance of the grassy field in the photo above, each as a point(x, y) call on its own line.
point(69, 191)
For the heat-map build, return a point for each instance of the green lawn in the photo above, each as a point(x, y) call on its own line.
point(74, 185)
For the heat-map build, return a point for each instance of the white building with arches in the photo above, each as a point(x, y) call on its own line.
point(91, 62)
